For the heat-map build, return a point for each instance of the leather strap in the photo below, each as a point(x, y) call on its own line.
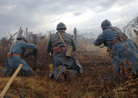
point(62, 39)
point(57, 40)
point(115, 30)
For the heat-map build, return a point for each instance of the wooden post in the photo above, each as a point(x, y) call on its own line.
point(20, 33)
point(35, 55)
point(75, 35)
point(10, 81)
point(26, 33)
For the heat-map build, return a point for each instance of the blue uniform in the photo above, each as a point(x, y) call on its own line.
point(15, 61)
point(60, 61)
point(119, 49)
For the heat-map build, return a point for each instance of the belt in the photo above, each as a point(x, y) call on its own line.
point(16, 55)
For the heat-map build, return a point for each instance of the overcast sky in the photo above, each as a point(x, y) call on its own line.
point(44, 15)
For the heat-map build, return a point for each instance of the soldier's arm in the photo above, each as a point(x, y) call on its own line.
point(29, 46)
point(48, 47)
point(101, 39)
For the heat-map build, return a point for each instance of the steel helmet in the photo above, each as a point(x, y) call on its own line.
point(106, 24)
point(61, 26)
point(22, 37)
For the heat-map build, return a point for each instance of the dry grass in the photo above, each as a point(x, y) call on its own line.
point(95, 82)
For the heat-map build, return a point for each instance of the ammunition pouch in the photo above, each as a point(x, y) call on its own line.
point(58, 49)
point(114, 41)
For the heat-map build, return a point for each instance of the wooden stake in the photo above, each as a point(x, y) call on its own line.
point(10, 81)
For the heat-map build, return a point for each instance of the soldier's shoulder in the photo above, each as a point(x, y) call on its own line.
point(20, 42)
point(107, 31)
point(118, 29)
point(69, 35)
point(52, 35)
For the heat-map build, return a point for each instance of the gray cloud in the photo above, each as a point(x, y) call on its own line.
point(33, 13)
point(77, 13)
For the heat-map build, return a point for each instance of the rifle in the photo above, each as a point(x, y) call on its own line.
point(20, 94)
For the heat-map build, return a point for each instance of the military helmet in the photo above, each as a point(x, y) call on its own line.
point(22, 37)
point(61, 26)
point(106, 24)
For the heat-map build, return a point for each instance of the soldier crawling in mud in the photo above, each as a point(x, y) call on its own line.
point(15, 55)
point(123, 49)
point(59, 45)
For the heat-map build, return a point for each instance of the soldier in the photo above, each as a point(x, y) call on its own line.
point(123, 49)
point(15, 55)
point(57, 45)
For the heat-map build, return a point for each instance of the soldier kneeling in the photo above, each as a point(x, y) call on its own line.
point(15, 57)
point(58, 45)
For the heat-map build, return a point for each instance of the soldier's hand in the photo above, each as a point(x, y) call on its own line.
point(27, 54)
point(35, 52)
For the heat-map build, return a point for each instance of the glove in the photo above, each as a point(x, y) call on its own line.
point(34, 52)
point(27, 54)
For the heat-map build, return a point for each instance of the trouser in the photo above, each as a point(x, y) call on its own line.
point(13, 64)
